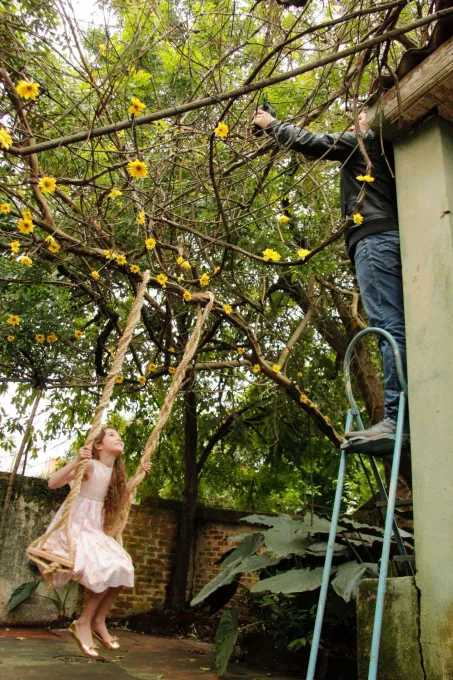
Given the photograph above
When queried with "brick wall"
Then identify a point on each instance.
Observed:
(150, 539)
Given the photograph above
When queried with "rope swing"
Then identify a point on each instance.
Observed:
(55, 563)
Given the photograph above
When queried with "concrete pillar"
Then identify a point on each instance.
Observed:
(424, 178)
(399, 654)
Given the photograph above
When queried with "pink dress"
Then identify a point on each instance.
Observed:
(100, 562)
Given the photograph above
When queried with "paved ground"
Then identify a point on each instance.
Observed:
(37, 654)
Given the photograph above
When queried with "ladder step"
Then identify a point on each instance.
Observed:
(404, 558)
(399, 503)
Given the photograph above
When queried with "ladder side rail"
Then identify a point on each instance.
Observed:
(328, 561)
(382, 584)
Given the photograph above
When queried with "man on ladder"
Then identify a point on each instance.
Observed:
(373, 245)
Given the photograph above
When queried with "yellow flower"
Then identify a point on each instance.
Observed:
(216, 269)
(240, 350)
(119, 379)
(172, 370)
(303, 252)
(51, 338)
(39, 337)
(53, 246)
(141, 379)
(270, 254)
(136, 106)
(14, 245)
(365, 178)
(47, 185)
(107, 254)
(304, 399)
(150, 243)
(187, 295)
(221, 130)
(112, 350)
(102, 48)
(185, 265)
(141, 217)
(357, 218)
(5, 139)
(299, 374)
(25, 260)
(204, 281)
(180, 278)
(94, 275)
(25, 226)
(27, 89)
(151, 367)
(120, 259)
(227, 309)
(114, 193)
(10, 338)
(314, 405)
(276, 368)
(256, 368)
(26, 214)
(162, 279)
(134, 268)
(13, 320)
(283, 219)
(78, 334)
(137, 168)
(5, 208)
(171, 349)
(179, 259)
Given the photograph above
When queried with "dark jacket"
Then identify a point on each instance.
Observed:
(379, 208)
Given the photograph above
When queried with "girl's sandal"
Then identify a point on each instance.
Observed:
(88, 651)
(113, 645)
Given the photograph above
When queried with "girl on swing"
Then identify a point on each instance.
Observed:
(101, 564)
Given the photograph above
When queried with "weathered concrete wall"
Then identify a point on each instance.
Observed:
(30, 513)
(399, 657)
(424, 177)
(150, 539)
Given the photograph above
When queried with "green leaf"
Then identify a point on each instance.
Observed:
(256, 562)
(320, 549)
(294, 581)
(348, 576)
(22, 593)
(225, 639)
(265, 520)
(287, 539)
(224, 578)
(316, 524)
(249, 545)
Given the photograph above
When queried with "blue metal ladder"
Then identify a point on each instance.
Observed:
(391, 444)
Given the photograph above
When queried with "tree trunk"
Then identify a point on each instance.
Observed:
(186, 529)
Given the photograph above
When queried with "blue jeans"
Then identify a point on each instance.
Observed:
(378, 269)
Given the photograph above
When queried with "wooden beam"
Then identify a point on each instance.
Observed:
(428, 85)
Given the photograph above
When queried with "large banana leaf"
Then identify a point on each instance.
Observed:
(225, 639)
(22, 593)
(294, 581)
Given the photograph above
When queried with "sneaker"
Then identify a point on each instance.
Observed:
(383, 429)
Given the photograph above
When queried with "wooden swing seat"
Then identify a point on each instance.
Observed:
(44, 554)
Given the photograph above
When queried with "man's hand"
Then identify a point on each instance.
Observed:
(262, 118)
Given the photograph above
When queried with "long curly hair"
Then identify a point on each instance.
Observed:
(117, 497)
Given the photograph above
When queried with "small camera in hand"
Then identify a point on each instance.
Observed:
(265, 106)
